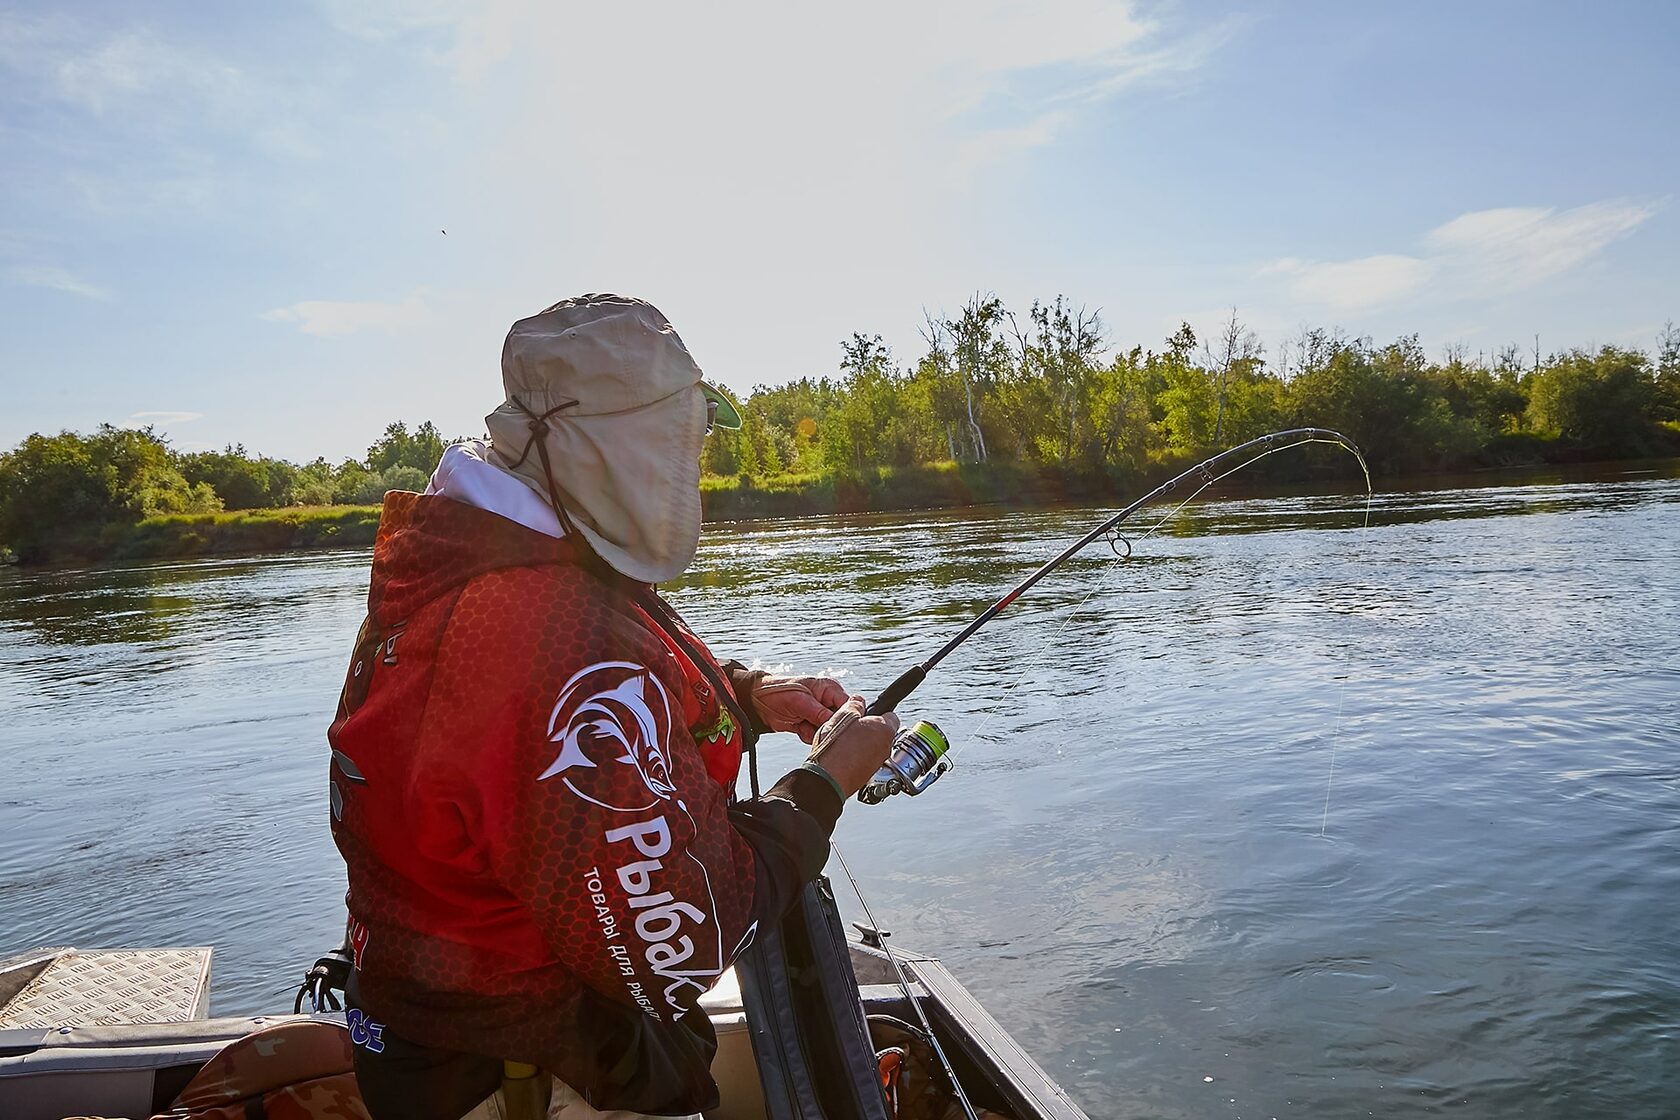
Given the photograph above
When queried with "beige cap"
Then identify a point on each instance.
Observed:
(626, 455)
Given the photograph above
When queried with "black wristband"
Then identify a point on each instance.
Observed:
(817, 794)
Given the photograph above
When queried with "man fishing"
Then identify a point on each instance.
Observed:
(534, 757)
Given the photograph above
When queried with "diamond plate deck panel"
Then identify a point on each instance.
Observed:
(114, 986)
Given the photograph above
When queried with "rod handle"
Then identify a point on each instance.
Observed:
(897, 691)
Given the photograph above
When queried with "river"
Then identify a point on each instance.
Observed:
(1281, 817)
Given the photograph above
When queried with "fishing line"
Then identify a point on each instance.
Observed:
(904, 983)
(1341, 693)
(919, 755)
(1050, 643)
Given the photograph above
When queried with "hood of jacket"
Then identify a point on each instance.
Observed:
(428, 545)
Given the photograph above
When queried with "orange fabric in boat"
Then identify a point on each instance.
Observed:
(290, 1071)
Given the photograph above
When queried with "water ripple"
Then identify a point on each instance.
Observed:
(1127, 864)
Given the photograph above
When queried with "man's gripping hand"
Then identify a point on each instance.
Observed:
(852, 746)
(797, 704)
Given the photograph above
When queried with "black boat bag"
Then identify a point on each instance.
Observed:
(809, 1037)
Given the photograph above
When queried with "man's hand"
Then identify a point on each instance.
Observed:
(797, 704)
(852, 746)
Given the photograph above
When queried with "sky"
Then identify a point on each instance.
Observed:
(286, 225)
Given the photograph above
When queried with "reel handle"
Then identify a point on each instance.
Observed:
(897, 691)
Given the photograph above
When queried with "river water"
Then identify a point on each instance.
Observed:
(1281, 817)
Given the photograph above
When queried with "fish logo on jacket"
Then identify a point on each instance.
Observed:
(611, 722)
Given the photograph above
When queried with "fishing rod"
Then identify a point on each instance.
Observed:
(918, 756)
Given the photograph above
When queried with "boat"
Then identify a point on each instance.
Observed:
(125, 1033)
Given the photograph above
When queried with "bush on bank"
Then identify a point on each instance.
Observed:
(183, 536)
(885, 489)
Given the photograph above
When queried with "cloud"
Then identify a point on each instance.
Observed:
(55, 278)
(146, 190)
(162, 419)
(1366, 282)
(1176, 60)
(1518, 246)
(388, 19)
(999, 74)
(133, 63)
(102, 69)
(998, 144)
(1045, 83)
(329, 317)
(688, 141)
(146, 121)
(1476, 254)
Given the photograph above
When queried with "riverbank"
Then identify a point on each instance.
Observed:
(885, 490)
(932, 486)
(233, 533)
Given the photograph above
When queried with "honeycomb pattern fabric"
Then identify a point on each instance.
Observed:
(543, 861)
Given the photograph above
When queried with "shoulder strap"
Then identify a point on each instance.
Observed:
(671, 624)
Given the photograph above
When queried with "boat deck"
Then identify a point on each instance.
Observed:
(72, 987)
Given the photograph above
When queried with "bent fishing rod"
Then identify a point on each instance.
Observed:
(918, 755)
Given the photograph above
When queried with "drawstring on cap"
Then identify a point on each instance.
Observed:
(538, 426)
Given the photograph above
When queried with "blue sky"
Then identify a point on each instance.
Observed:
(230, 221)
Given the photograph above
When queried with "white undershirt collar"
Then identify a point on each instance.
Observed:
(465, 474)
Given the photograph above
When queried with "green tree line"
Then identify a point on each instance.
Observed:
(60, 493)
(1043, 390)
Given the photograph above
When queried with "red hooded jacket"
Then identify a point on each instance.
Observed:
(531, 787)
